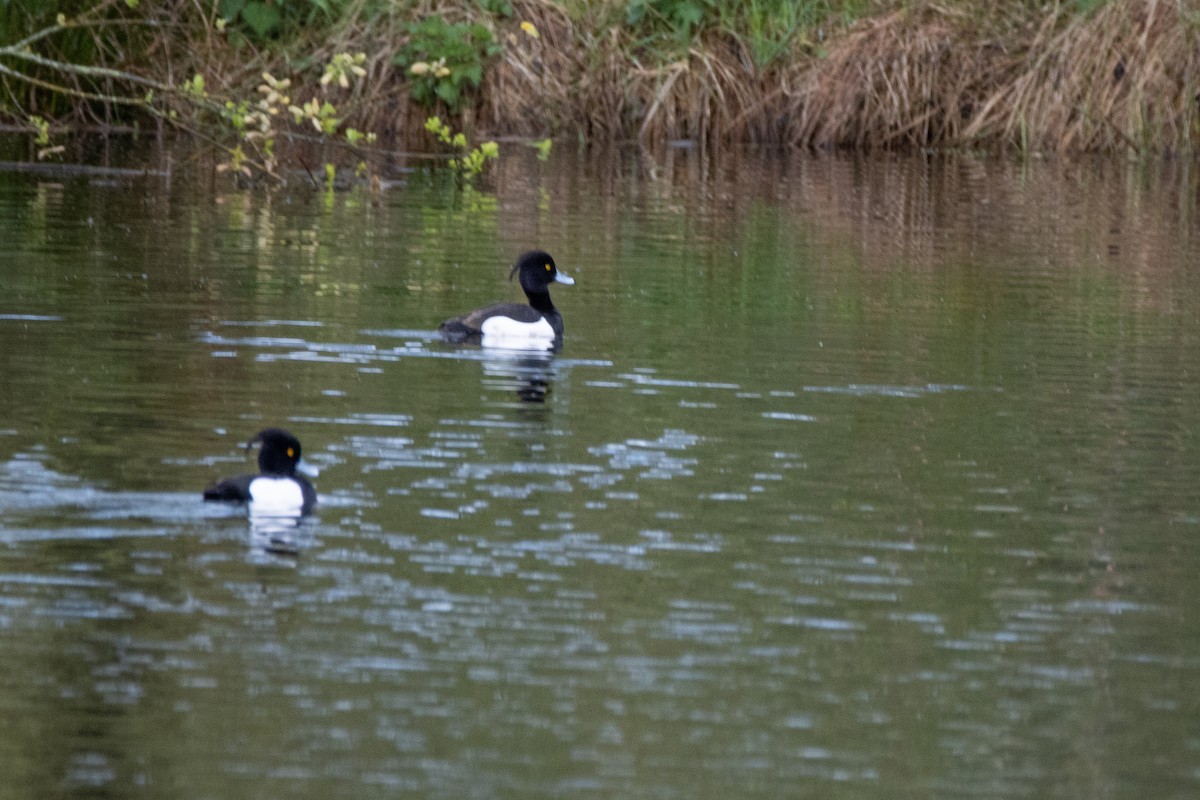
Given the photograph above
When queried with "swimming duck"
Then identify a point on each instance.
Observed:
(513, 325)
(277, 486)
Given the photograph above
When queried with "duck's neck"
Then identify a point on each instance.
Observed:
(274, 467)
(540, 300)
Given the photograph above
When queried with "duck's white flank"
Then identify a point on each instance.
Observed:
(501, 331)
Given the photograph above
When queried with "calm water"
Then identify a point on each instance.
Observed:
(853, 479)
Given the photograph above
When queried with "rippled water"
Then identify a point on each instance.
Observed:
(853, 479)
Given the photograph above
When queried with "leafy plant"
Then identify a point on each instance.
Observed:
(257, 122)
(497, 8)
(445, 60)
(680, 16)
(261, 17)
(322, 116)
(767, 27)
(264, 20)
(471, 162)
(343, 68)
(42, 127)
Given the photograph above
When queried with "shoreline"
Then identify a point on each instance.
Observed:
(1123, 78)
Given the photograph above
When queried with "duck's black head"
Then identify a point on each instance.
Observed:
(279, 452)
(538, 270)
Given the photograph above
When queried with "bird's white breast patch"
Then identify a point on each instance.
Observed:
(276, 495)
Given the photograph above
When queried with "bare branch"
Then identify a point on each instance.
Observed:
(81, 69)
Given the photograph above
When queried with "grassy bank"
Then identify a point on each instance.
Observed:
(867, 74)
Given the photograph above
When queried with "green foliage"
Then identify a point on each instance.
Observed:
(42, 129)
(41, 138)
(497, 8)
(194, 87)
(769, 28)
(322, 116)
(680, 16)
(445, 133)
(471, 162)
(356, 137)
(343, 68)
(445, 60)
(261, 21)
(258, 122)
(260, 18)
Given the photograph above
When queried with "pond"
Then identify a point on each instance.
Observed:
(852, 478)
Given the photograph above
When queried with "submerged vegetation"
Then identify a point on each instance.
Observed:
(249, 75)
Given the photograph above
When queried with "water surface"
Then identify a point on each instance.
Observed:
(853, 478)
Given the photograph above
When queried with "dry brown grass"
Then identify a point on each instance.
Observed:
(596, 82)
(926, 75)
(1126, 77)
(908, 78)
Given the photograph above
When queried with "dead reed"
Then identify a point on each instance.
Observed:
(1127, 77)
(973, 74)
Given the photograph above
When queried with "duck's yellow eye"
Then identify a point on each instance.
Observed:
(291, 453)
(549, 267)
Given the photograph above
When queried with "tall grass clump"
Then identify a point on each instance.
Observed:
(912, 77)
(1064, 77)
(1126, 77)
(1123, 77)
(709, 70)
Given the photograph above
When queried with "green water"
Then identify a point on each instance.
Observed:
(853, 478)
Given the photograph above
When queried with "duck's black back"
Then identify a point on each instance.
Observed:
(230, 490)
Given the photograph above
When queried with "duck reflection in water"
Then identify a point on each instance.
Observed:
(529, 374)
(278, 532)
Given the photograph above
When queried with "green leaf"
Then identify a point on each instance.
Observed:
(479, 33)
(688, 13)
(229, 9)
(448, 92)
(502, 8)
(262, 18)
